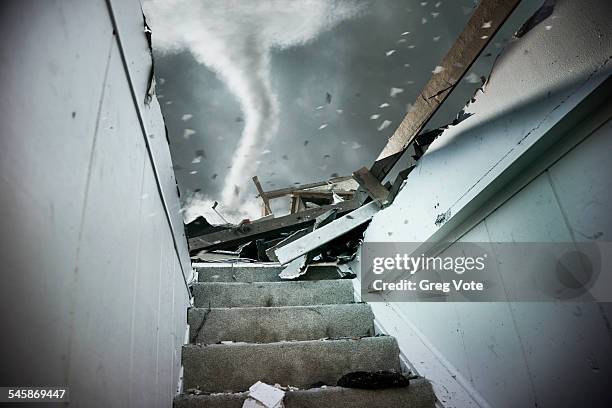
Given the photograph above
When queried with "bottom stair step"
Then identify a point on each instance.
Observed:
(418, 395)
(235, 367)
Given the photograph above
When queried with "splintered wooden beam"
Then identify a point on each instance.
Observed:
(232, 237)
(285, 191)
(371, 185)
(264, 197)
(488, 17)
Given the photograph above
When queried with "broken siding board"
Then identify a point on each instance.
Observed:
(488, 17)
(263, 196)
(248, 232)
(298, 234)
(327, 233)
(371, 184)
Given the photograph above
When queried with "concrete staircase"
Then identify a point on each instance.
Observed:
(248, 326)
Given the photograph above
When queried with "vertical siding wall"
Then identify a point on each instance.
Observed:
(516, 353)
(93, 255)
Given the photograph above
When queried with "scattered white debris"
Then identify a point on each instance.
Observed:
(548, 27)
(423, 20)
(438, 4)
(435, 14)
(264, 395)
(484, 37)
(412, 46)
(196, 160)
(319, 107)
(436, 38)
(356, 146)
(384, 125)
(339, 111)
(487, 24)
(336, 198)
(188, 132)
(169, 103)
(407, 65)
(395, 91)
(323, 126)
(406, 33)
(472, 78)
(390, 52)
(161, 80)
(438, 69)
(375, 116)
(423, 3)
(266, 151)
(384, 105)
(193, 172)
(401, 41)
(186, 117)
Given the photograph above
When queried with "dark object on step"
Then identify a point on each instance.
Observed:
(374, 380)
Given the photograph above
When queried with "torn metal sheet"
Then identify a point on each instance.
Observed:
(326, 233)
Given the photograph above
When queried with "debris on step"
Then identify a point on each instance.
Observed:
(262, 395)
(374, 380)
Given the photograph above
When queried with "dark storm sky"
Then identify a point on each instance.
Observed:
(350, 62)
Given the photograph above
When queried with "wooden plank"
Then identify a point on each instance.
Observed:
(248, 232)
(326, 233)
(264, 197)
(488, 17)
(371, 185)
(285, 191)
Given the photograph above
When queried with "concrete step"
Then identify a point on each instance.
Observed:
(258, 273)
(418, 395)
(235, 367)
(268, 294)
(273, 324)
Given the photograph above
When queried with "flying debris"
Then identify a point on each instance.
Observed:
(384, 105)
(472, 78)
(395, 91)
(390, 52)
(487, 24)
(384, 125)
(186, 117)
(323, 126)
(356, 146)
(436, 38)
(406, 33)
(438, 69)
(188, 132)
(339, 111)
(193, 172)
(434, 14)
(328, 98)
(266, 151)
(423, 20)
(375, 116)
(306, 142)
(319, 107)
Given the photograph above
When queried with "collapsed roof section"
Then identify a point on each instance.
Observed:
(327, 218)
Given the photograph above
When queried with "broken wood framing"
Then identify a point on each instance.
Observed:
(266, 202)
(286, 191)
(488, 17)
(327, 233)
(247, 232)
(371, 185)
